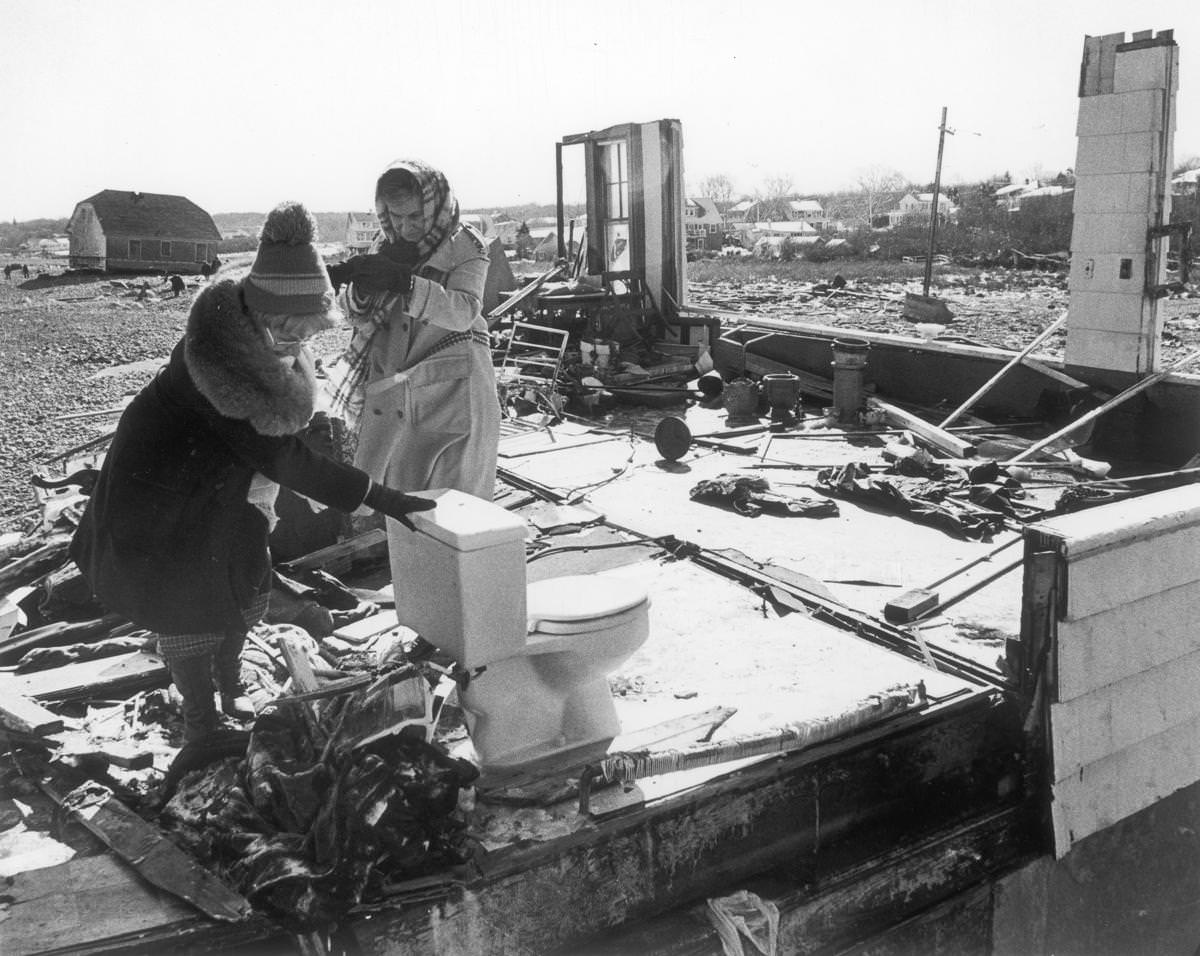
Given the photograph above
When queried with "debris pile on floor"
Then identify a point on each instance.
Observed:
(312, 817)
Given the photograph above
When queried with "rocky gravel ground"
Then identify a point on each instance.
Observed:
(85, 344)
(999, 308)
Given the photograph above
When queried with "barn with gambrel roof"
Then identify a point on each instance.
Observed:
(121, 231)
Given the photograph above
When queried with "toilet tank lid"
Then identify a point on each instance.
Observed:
(466, 523)
(580, 597)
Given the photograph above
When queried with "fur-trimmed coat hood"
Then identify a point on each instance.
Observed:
(229, 356)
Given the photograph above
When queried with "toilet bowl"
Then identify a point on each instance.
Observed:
(540, 654)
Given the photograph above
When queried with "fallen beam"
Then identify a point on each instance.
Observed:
(1015, 360)
(150, 852)
(934, 435)
(1112, 403)
(18, 712)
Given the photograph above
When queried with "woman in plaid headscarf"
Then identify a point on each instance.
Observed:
(419, 377)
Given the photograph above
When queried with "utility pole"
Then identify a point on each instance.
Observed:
(937, 187)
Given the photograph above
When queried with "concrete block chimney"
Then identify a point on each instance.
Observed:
(1123, 165)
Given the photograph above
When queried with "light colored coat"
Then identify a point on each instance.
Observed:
(431, 417)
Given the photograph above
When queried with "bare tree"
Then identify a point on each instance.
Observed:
(877, 186)
(718, 188)
(777, 187)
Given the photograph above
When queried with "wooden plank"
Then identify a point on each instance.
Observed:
(105, 677)
(946, 442)
(96, 904)
(1137, 636)
(339, 558)
(1052, 373)
(27, 569)
(57, 634)
(150, 852)
(1109, 719)
(991, 382)
(961, 925)
(20, 713)
(1098, 795)
(80, 902)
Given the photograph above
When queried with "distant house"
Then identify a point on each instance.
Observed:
(361, 230)
(56, 247)
(1011, 196)
(810, 211)
(120, 231)
(919, 206)
(498, 226)
(703, 224)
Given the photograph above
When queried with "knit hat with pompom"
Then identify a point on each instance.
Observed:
(288, 276)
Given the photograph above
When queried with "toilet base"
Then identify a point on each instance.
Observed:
(515, 717)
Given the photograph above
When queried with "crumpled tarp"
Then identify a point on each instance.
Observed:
(751, 496)
(958, 505)
(306, 824)
(745, 915)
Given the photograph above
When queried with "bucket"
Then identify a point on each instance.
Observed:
(782, 389)
(741, 398)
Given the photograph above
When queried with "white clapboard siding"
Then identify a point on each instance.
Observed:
(1091, 727)
(1125, 711)
(1105, 792)
(1129, 639)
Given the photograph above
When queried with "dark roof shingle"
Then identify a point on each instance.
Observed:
(152, 214)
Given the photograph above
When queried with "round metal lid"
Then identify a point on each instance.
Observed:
(672, 438)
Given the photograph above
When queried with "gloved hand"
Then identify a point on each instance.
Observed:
(396, 504)
(341, 272)
(378, 273)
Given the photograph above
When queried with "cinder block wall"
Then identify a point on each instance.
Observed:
(1124, 706)
(1122, 168)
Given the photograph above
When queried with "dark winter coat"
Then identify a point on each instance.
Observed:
(168, 538)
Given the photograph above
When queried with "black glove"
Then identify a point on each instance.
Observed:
(396, 504)
(340, 273)
(378, 273)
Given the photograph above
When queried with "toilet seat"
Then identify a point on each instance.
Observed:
(579, 604)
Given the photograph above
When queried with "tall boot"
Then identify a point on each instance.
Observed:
(193, 677)
(227, 663)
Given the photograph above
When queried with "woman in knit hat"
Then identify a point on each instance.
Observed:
(175, 534)
(420, 381)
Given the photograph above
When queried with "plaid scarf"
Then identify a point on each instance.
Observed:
(369, 311)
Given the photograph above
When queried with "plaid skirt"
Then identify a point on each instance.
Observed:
(178, 647)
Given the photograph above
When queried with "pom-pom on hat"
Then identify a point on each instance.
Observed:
(288, 276)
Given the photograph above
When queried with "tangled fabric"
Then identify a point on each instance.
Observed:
(306, 824)
(751, 496)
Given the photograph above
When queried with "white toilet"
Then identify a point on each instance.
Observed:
(546, 648)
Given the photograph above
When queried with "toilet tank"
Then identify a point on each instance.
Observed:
(459, 579)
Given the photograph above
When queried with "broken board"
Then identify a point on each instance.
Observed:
(104, 677)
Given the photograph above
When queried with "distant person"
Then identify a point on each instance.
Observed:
(25, 270)
(177, 286)
(175, 532)
(419, 377)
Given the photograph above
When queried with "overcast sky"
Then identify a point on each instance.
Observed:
(238, 105)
